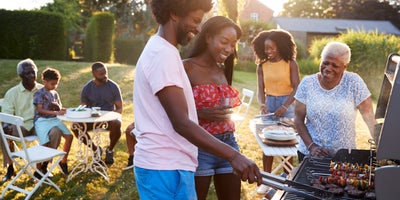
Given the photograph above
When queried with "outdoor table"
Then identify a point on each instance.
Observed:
(283, 153)
(86, 157)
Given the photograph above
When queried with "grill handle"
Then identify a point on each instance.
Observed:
(283, 184)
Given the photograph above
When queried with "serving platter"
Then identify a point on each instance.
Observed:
(279, 134)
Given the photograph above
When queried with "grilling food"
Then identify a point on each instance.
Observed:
(352, 178)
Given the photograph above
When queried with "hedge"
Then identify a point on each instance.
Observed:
(98, 44)
(33, 34)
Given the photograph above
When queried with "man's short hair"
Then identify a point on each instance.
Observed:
(98, 65)
(24, 63)
(162, 9)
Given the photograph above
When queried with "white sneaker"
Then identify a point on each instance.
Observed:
(262, 189)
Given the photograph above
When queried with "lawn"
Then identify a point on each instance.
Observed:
(122, 185)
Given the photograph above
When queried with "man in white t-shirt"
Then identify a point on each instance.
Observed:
(167, 129)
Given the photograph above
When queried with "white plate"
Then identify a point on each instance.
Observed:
(71, 113)
(279, 135)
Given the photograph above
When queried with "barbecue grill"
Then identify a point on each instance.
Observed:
(383, 157)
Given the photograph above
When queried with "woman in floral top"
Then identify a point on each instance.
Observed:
(209, 68)
(327, 103)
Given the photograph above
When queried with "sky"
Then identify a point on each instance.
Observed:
(275, 5)
(22, 4)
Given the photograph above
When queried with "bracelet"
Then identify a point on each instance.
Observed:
(284, 107)
(310, 145)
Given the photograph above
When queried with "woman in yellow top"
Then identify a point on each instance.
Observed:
(277, 76)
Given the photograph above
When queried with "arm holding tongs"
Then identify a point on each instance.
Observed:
(284, 184)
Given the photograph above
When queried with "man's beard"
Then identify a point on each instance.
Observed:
(103, 80)
(183, 36)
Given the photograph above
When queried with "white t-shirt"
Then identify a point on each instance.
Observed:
(159, 146)
(331, 114)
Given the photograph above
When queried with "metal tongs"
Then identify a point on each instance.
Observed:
(293, 187)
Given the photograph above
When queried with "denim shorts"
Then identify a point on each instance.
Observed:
(274, 102)
(165, 184)
(209, 164)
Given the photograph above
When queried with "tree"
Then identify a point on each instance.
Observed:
(70, 10)
(229, 8)
(369, 10)
(75, 22)
(344, 9)
(305, 8)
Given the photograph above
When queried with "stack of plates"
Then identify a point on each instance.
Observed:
(280, 135)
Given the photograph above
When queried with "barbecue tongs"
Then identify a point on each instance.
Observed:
(290, 186)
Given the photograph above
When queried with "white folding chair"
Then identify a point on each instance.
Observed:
(28, 157)
(241, 113)
(29, 139)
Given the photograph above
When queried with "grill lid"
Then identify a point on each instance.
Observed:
(386, 134)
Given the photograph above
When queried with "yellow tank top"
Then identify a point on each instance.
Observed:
(277, 78)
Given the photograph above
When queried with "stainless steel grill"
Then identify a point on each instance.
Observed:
(384, 154)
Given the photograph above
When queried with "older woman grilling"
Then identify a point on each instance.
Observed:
(327, 102)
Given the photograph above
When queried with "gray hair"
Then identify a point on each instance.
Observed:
(26, 62)
(337, 50)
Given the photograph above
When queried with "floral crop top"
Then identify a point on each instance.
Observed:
(209, 96)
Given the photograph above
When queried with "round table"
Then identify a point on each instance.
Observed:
(87, 158)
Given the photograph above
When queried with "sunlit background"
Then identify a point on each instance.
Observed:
(275, 5)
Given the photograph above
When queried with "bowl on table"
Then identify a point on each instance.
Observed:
(78, 113)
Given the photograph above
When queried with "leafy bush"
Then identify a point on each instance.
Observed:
(99, 36)
(33, 34)
(308, 66)
(245, 65)
(251, 28)
(128, 50)
(301, 50)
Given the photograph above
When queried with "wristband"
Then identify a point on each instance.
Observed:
(310, 145)
(284, 107)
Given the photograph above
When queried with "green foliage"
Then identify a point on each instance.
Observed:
(245, 66)
(34, 34)
(128, 50)
(251, 28)
(344, 9)
(303, 8)
(308, 66)
(70, 10)
(99, 36)
(369, 54)
(229, 8)
(301, 50)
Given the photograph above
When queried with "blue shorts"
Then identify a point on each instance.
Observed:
(274, 102)
(44, 125)
(209, 164)
(165, 184)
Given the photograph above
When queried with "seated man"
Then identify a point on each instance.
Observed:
(106, 94)
(18, 101)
